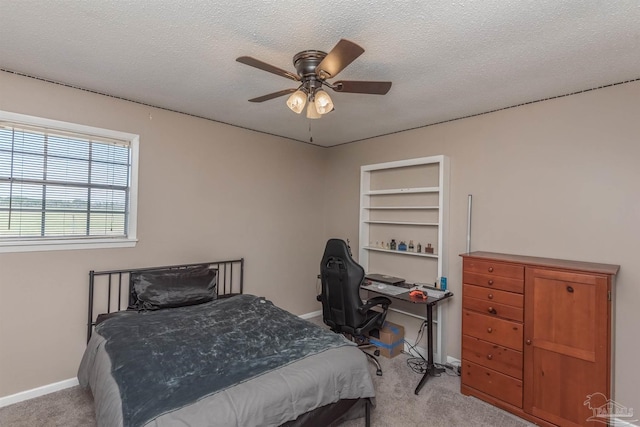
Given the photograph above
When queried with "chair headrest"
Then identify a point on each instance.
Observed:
(338, 249)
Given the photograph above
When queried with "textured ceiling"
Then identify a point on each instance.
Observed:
(446, 59)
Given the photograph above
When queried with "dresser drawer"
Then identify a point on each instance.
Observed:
(493, 383)
(491, 308)
(514, 271)
(494, 282)
(502, 332)
(493, 356)
(494, 295)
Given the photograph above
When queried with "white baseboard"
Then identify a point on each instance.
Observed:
(36, 392)
(423, 352)
(310, 315)
(453, 361)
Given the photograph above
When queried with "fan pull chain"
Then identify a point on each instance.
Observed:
(310, 133)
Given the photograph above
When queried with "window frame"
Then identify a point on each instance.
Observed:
(31, 244)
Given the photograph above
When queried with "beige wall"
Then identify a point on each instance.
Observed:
(556, 179)
(207, 191)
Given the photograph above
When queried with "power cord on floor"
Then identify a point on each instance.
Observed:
(418, 364)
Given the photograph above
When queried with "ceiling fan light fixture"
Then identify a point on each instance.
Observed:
(312, 112)
(296, 101)
(323, 102)
(313, 69)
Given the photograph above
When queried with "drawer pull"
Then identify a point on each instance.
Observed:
(490, 296)
(528, 342)
(489, 330)
(490, 282)
(490, 269)
(569, 289)
(489, 356)
(492, 310)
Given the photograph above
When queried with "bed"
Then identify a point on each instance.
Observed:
(184, 345)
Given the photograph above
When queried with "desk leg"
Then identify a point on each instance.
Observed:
(431, 370)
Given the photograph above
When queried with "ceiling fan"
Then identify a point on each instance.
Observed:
(314, 68)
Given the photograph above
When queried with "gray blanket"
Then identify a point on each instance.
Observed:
(164, 360)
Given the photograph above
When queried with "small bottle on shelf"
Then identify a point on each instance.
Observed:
(428, 249)
(402, 246)
(393, 244)
(411, 247)
(419, 248)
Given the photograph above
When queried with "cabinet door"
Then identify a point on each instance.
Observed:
(566, 352)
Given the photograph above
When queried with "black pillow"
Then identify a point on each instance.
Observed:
(157, 289)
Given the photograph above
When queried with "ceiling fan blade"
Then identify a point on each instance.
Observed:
(247, 60)
(273, 95)
(337, 60)
(356, 86)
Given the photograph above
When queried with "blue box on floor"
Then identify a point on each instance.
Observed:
(389, 339)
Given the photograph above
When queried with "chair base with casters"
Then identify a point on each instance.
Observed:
(365, 344)
(342, 308)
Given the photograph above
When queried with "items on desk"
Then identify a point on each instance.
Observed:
(440, 283)
(429, 290)
(428, 249)
(383, 278)
(418, 294)
(384, 288)
(387, 285)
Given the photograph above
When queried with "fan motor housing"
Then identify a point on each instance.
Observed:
(307, 61)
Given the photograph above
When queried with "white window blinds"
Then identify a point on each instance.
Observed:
(58, 184)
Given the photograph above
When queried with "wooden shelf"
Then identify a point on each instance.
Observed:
(401, 208)
(403, 191)
(373, 248)
(402, 223)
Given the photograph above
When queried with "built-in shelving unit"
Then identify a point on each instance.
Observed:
(407, 201)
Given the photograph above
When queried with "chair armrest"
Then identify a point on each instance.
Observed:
(372, 302)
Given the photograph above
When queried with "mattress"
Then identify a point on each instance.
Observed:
(269, 397)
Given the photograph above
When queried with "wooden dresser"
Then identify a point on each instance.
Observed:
(536, 335)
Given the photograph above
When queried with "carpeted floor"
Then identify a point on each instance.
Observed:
(72, 407)
(439, 404)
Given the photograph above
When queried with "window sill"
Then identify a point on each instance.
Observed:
(66, 244)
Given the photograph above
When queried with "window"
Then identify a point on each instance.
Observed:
(65, 186)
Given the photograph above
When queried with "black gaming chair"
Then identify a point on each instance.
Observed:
(342, 308)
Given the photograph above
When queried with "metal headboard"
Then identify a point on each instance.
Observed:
(111, 283)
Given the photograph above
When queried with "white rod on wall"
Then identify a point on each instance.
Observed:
(469, 225)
